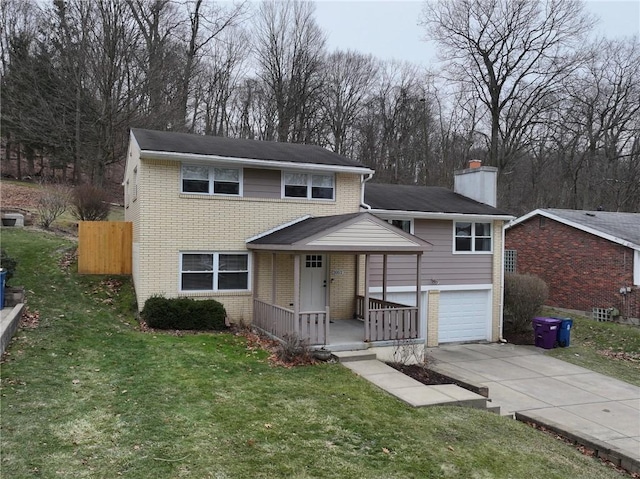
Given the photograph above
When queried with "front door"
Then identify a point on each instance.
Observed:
(313, 282)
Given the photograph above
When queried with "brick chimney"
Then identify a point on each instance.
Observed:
(478, 182)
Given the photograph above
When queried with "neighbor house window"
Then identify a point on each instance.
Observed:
(309, 186)
(404, 225)
(472, 237)
(127, 194)
(214, 271)
(510, 260)
(211, 181)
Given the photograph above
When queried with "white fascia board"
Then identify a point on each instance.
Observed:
(636, 268)
(422, 215)
(433, 287)
(578, 226)
(281, 165)
(277, 228)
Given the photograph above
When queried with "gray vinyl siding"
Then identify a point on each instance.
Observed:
(260, 183)
(439, 265)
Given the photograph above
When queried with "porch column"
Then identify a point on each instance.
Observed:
(273, 278)
(296, 294)
(365, 312)
(384, 277)
(421, 325)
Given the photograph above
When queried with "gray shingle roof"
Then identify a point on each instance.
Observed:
(152, 140)
(431, 199)
(621, 225)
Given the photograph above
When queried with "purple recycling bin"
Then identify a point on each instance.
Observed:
(546, 332)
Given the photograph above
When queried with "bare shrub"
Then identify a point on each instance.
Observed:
(90, 203)
(53, 202)
(524, 296)
(292, 349)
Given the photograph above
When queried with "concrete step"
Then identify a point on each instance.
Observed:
(348, 356)
(493, 409)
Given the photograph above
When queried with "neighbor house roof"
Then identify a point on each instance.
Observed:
(622, 228)
(425, 199)
(360, 232)
(190, 146)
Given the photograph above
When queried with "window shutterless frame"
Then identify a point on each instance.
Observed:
(206, 271)
(472, 237)
(308, 186)
(210, 180)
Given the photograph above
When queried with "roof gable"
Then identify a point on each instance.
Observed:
(621, 228)
(350, 232)
(238, 148)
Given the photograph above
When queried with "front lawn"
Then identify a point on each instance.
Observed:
(608, 348)
(86, 394)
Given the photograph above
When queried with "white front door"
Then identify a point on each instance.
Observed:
(313, 282)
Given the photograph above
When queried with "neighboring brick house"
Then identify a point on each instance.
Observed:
(589, 259)
(283, 236)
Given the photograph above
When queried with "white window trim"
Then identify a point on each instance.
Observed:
(216, 264)
(473, 237)
(389, 220)
(309, 176)
(211, 179)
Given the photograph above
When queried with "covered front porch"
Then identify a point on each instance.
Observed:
(311, 280)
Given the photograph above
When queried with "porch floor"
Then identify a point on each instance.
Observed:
(346, 335)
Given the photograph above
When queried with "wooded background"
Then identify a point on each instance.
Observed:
(523, 86)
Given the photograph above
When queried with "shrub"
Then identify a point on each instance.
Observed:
(184, 313)
(8, 263)
(524, 296)
(90, 203)
(292, 349)
(53, 202)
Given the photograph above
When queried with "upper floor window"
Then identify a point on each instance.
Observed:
(472, 237)
(404, 225)
(211, 181)
(307, 185)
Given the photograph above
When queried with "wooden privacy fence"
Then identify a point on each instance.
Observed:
(104, 247)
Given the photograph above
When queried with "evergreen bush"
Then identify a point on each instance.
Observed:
(184, 313)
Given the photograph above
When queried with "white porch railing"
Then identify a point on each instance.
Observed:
(388, 320)
(278, 321)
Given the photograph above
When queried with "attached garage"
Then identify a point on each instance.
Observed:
(464, 316)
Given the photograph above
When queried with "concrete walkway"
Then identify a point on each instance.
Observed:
(403, 387)
(590, 408)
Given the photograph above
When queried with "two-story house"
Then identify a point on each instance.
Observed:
(293, 239)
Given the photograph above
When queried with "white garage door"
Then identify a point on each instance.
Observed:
(464, 316)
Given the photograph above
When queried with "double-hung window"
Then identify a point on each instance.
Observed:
(309, 186)
(214, 271)
(472, 237)
(211, 181)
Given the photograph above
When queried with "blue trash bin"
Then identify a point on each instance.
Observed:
(3, 276)
(564, 332)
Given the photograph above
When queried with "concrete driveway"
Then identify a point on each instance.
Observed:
(596, 410)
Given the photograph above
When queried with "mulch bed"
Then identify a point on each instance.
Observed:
(422, 374)
(518, 337)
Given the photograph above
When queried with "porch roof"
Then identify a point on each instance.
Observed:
(354, 232)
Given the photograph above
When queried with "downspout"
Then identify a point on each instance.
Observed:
(362, 186)
(501, 337)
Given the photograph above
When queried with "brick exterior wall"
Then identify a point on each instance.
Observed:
(168, 222)
(582, 270)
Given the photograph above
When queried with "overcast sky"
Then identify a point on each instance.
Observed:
(389, 28)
